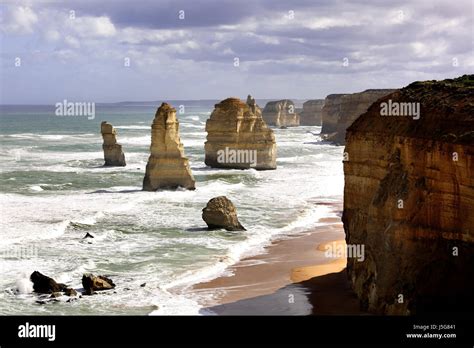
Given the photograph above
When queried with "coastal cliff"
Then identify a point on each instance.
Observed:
(330, 113)
(281, 113)
(167, 166)
(113, 154)
(346, 109)
(409, 200)
(311, 113)
(237, 137)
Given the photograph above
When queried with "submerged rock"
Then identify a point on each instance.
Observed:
(113, 154)
(93, 283)
(45, 285)
(167, 167)
(220, 212)
(70, 292)
(237, 137)
(281, 113)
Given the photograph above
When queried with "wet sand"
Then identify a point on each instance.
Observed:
(293, 277)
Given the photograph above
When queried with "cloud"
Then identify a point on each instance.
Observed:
(139, 36)
(92, 27)
(52, 35)
(19, 20)
(72, 42)
(302, 42)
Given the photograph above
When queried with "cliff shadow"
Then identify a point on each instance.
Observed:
(329, 294)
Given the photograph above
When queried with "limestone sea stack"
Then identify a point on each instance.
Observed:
(113, 154)
(237, 137)
(352, 106)
(167, 167)
(220, 212)
(409, 198)
(311, 113)
(281, 113)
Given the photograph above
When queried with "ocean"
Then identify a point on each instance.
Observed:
(54, 190)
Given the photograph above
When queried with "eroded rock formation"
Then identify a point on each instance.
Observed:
(237, 137)
(167, 168)
(113, 154)
(220, 212)
(92, 283)
(330, 113)
(281, 113)
(311, 113)
(409, 198)
(45, 285)
(344, 109)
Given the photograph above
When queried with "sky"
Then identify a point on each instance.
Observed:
(111, 51)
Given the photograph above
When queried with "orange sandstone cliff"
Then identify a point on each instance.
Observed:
(409, 199)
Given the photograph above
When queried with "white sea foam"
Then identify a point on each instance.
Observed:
(36, 188)
(194, 118)
(133, 127)
(48, 137)
(148, 237)
(24, 285)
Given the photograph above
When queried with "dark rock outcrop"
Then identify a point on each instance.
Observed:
(220, 212)
(281, 113)
(311, 115)
(409, 198)
(92, 283)
(113, 154)
(237, 137)
(167, 167)
(70, 292)
(45, 285)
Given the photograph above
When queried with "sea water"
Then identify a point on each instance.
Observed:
(54, 190)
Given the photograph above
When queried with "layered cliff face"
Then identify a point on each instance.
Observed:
(409, 199)
(167, 167)
(311, 114)
(281, 113)
(351, 106)
(330, 113)
(113, 154)
(237, 137)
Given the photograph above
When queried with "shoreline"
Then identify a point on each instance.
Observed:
(292, 276)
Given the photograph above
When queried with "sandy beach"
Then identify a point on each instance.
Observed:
(293, 277)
